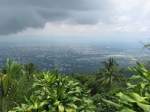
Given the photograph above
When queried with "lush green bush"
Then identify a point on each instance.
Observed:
(14, 83)
(56, 93)
(136, 98)
(9, 81)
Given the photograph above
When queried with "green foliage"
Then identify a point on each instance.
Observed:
(13, 85)
(137, 97)
(23, 89)
(29, 70)
(56, 93)
(110, 74)
(102, 106)
(104, 84)
(12, 69)
(8, 83)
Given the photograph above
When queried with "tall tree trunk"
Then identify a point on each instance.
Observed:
(110, 81)
(4, 104)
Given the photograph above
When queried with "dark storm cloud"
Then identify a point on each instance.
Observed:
(17, 15)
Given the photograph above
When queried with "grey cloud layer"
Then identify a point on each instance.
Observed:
(17, 15)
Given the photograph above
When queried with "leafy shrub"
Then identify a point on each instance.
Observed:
(102, 106)
(56, 93)
(14, 83)
(8, 84)
(137, 96)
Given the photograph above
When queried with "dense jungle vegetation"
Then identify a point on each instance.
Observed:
(23, 88)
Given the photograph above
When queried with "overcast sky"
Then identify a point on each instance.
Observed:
(74, 17)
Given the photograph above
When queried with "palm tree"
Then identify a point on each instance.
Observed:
(8, 81)
(110, 73)
(29, 69)
(7, 85)
(12, 69)
(136, 97)
(4, 89)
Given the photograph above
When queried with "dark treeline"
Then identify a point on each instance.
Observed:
(23, 88)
